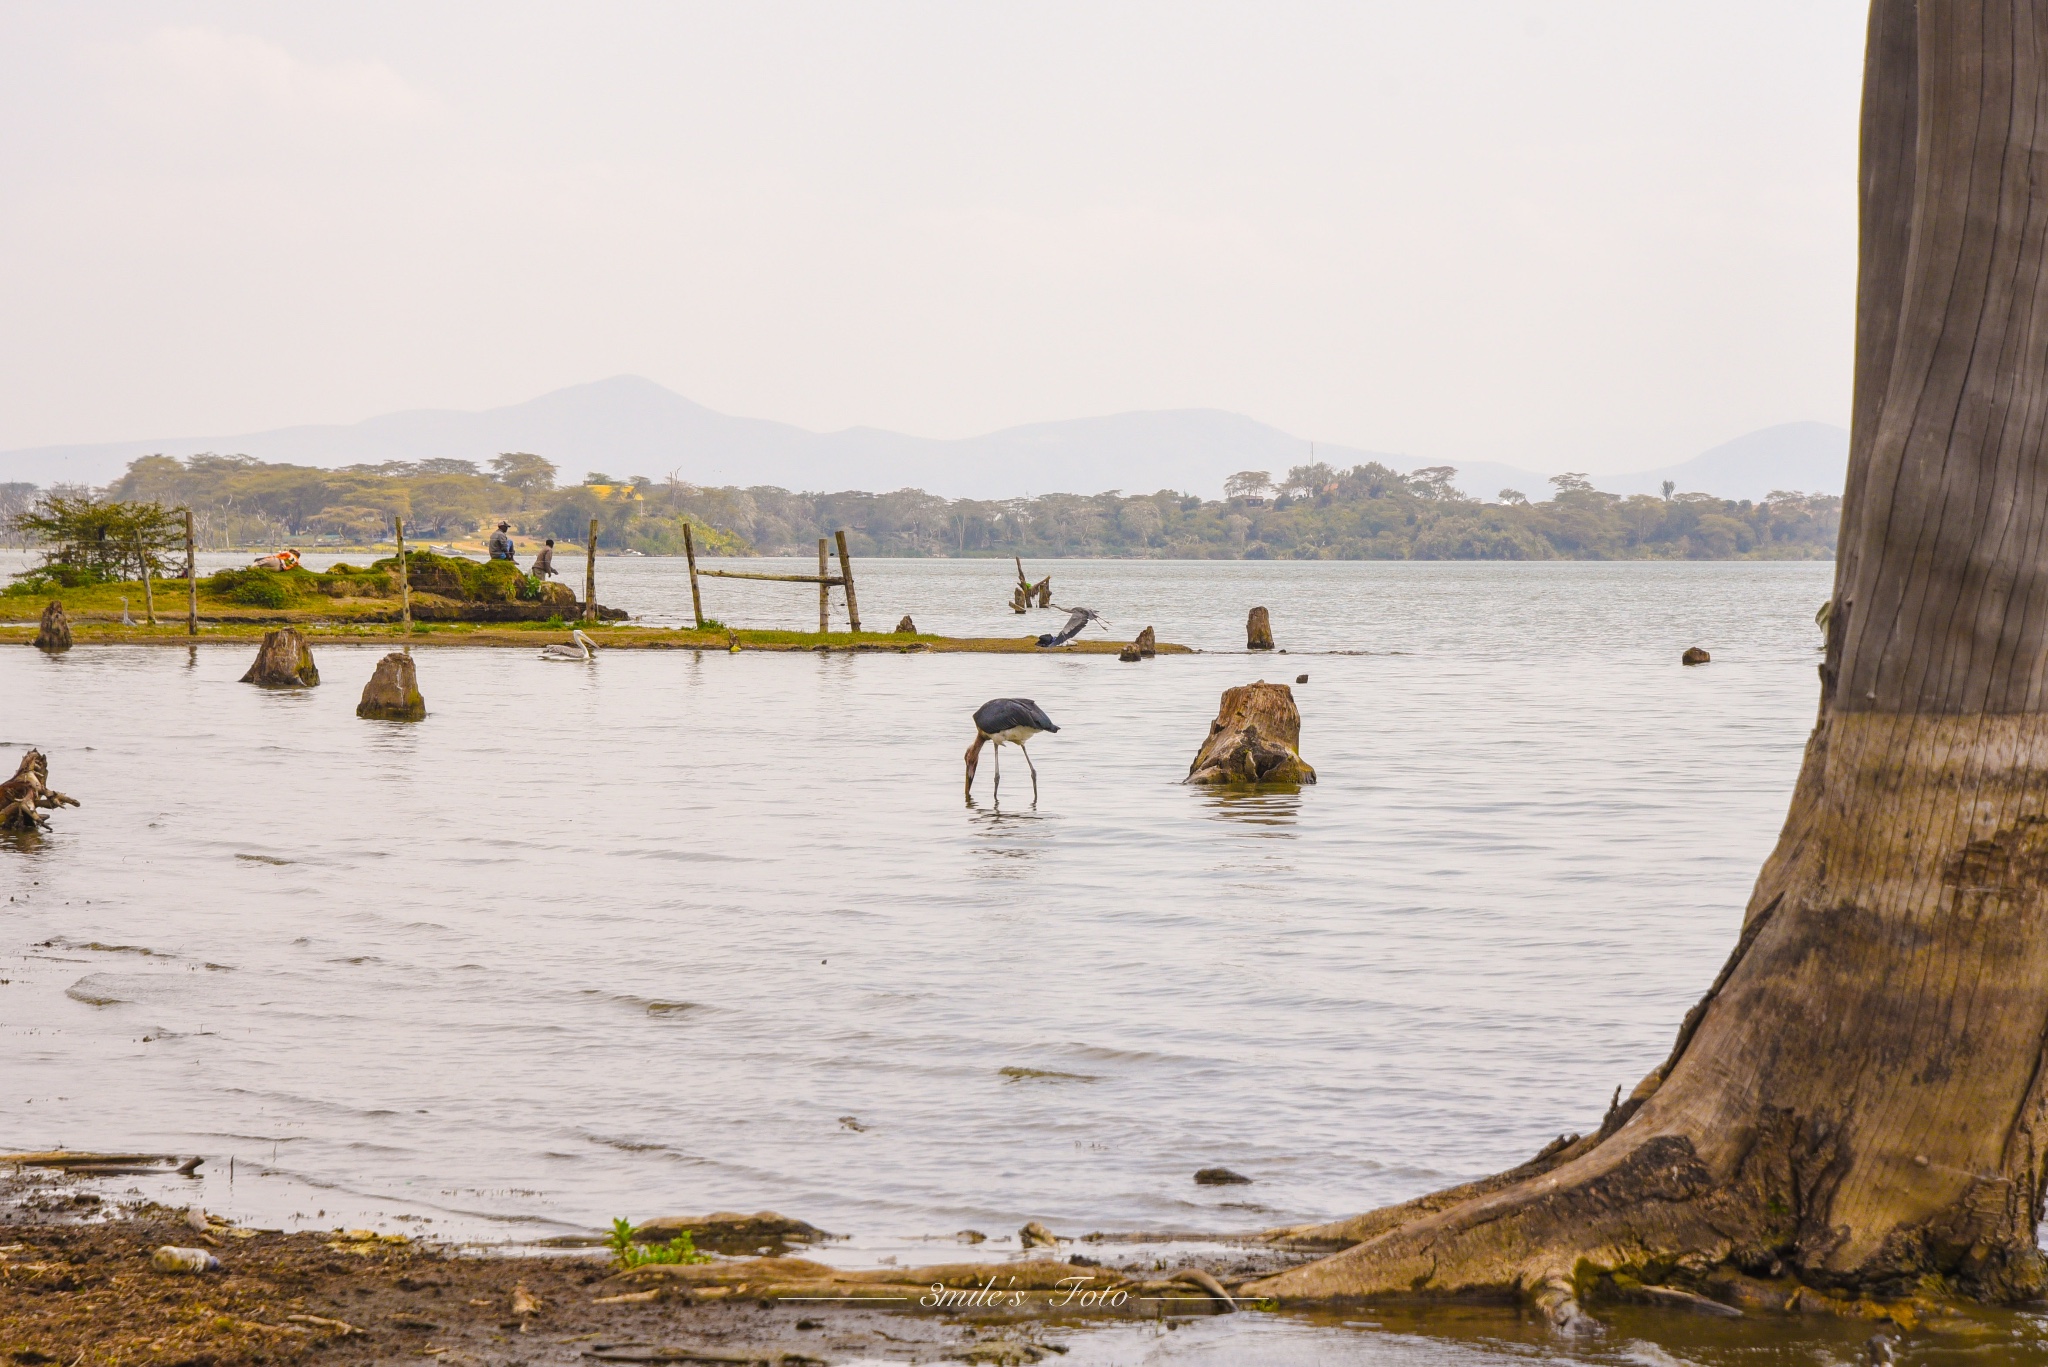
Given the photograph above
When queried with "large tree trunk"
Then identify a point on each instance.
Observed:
(1858, 1103)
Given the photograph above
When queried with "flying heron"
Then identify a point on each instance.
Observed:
(1076, 619)
(1006, 721)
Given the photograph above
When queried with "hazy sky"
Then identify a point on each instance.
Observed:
(1601, 235)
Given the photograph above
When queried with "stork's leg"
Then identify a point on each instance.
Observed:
(1034, 771)
(996, 751)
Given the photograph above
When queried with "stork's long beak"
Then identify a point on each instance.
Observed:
(973, 759)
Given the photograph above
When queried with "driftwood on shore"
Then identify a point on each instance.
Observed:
(1256, 738)
(284, 660)
(25, 797)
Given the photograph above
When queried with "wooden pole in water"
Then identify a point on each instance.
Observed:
(590, 575)
(846, 572)
(824, 591)
(191, 580)
(404, 578)
(148, 596)
(696, 598)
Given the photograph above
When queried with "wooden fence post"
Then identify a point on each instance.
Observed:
(696, 598)
(824, 591)
(590, 575)
(846, 571)
(191, 580)
(148, 595)
(404, 578)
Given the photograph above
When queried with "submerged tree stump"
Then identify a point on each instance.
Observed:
(1255, 738)
(1258, 630)
(23, 796)
(1147, 644)
(393, 692)
(283, 661)
(55, 632)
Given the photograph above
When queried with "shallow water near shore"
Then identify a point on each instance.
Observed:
(671, 933)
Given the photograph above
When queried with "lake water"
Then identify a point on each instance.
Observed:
(675, 932)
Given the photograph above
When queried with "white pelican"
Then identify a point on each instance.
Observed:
(584, 649)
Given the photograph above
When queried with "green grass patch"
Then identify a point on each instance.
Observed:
(628, 1255)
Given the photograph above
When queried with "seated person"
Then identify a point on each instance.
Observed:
(501, 542)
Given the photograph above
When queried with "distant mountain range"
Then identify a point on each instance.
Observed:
(631, 426)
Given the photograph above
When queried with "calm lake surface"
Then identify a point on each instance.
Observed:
(675, 932)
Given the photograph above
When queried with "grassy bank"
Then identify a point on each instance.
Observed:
(533, 635)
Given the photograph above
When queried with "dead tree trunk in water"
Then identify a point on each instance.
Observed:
(1858, 1102)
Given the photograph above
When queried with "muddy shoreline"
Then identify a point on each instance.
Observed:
(78, 1287)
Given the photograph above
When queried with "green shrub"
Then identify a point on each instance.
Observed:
(61, 576)
(268, 591)
(629, 1255)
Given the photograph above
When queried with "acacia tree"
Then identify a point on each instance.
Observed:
(1858, 1101)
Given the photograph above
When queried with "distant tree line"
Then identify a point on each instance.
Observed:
(1317, 512)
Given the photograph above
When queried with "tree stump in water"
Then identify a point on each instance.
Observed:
(1147, 644)
(1130, 653)
(29, 790)
(55, 632)
(1043, 590)
(906, 627)
(393, 692)
(1255, 738)
(283, 661)
(1258, 630)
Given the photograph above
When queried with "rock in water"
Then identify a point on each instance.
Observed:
(1695, 656)
(1258, 630)
(1035, 1235)
(55, 633)
(1147, 643)
(393, 692)
(1255, 738)
(1301, 678)
(906, 627)
(1130, 653)
(283, 661)
(1221, 1177)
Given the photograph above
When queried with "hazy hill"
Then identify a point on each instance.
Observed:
(627, 426)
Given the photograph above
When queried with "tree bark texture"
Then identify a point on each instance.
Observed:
(283, 661)
(1256, 738)
(24, 797)
(53, 633)
(1860, 1102)
(393, 692)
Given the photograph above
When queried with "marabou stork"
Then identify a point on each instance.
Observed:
(1006, 721)
(1076, 619)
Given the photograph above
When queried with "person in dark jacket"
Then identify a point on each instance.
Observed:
(544, 563)
(501, 542)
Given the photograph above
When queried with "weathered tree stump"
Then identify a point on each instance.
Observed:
(283, 661)
(22, 796)
(393, 692)
(1043, 590)
(1020, 599)
(1694, 656)
(55, 632)
(1255, 738)
(1258, 630)
(1147, 643)
(906, 627)
(1130, 653)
